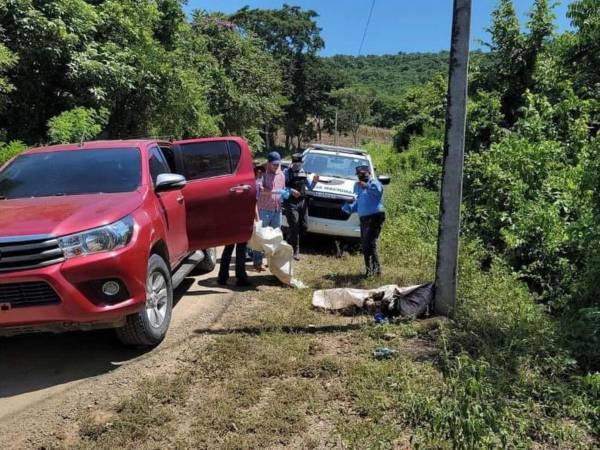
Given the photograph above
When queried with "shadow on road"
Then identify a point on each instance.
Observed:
(319, 245)
(255, 279)
(321, 329)
(36, 361)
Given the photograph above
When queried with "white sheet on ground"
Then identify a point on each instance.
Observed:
(342, 298)
(279, 253)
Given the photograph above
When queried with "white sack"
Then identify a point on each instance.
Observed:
(279, 254)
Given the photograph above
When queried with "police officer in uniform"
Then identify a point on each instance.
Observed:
(295, 206)
(369, 206)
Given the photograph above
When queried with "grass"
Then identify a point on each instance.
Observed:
(274, 373)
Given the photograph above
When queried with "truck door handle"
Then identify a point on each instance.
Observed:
(240, 188)
(180, 199)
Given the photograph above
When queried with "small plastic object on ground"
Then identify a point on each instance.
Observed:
(384, 353)
(379, 318)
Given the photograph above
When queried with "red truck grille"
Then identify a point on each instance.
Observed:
(19, 295)
(29, 252)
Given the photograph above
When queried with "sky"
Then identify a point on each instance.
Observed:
(396, 25)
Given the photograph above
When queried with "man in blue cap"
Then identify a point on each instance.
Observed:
(269, 199)
(369, 206)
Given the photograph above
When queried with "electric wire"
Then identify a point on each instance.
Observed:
(366, 28)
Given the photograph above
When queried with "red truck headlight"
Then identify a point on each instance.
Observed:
(102, 239)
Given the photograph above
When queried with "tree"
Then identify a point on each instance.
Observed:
(322, 79)
(354, 109)
(150, 87)
(78, 124)
(7, 60)
(286, 32)
(292, 36)
(127, 57)
(244, 79)
(582, 49)
(44, 36)
(421, 107)
(514, 55)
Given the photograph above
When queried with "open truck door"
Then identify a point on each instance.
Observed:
(220, 194)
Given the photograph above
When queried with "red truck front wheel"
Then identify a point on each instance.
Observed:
(149, 326)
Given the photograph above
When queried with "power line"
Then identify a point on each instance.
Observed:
(366, 28)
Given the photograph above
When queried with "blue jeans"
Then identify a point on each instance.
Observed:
(271, 219)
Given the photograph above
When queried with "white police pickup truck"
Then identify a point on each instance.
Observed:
(336, 168)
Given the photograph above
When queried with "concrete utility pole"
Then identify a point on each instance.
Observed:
(454, 147)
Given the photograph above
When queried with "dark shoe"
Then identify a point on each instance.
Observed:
(243, 282)
(297, 257)
(221, 282)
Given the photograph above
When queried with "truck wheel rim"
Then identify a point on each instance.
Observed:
(157, 299)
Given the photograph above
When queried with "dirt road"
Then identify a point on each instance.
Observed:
(48, 379)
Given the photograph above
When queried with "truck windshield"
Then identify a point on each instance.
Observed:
(71, 173)
(333, 165)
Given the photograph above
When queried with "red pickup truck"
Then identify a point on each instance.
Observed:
(98, 235)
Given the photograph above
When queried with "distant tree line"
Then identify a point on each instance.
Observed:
(74, 70)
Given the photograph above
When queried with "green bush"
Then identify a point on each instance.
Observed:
(509, 378)
(522, 199)
(76, 125)
(10, 149)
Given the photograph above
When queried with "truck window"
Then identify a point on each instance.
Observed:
(72, 172)
(158, 164)
(333, 165)
(206, 159)
(170, 157)
(235, 152)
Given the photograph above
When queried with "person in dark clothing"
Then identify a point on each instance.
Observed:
(369, 206)
(295, 206)
(240, 265)
(370, 229)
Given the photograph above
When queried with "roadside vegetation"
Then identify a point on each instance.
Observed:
(516, 367)
(126, 69)
(531, 172)
(275, 373)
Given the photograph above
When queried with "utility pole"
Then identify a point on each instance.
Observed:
(335, 128)
(454, 148)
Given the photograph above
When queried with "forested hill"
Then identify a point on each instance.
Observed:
(390, 74)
